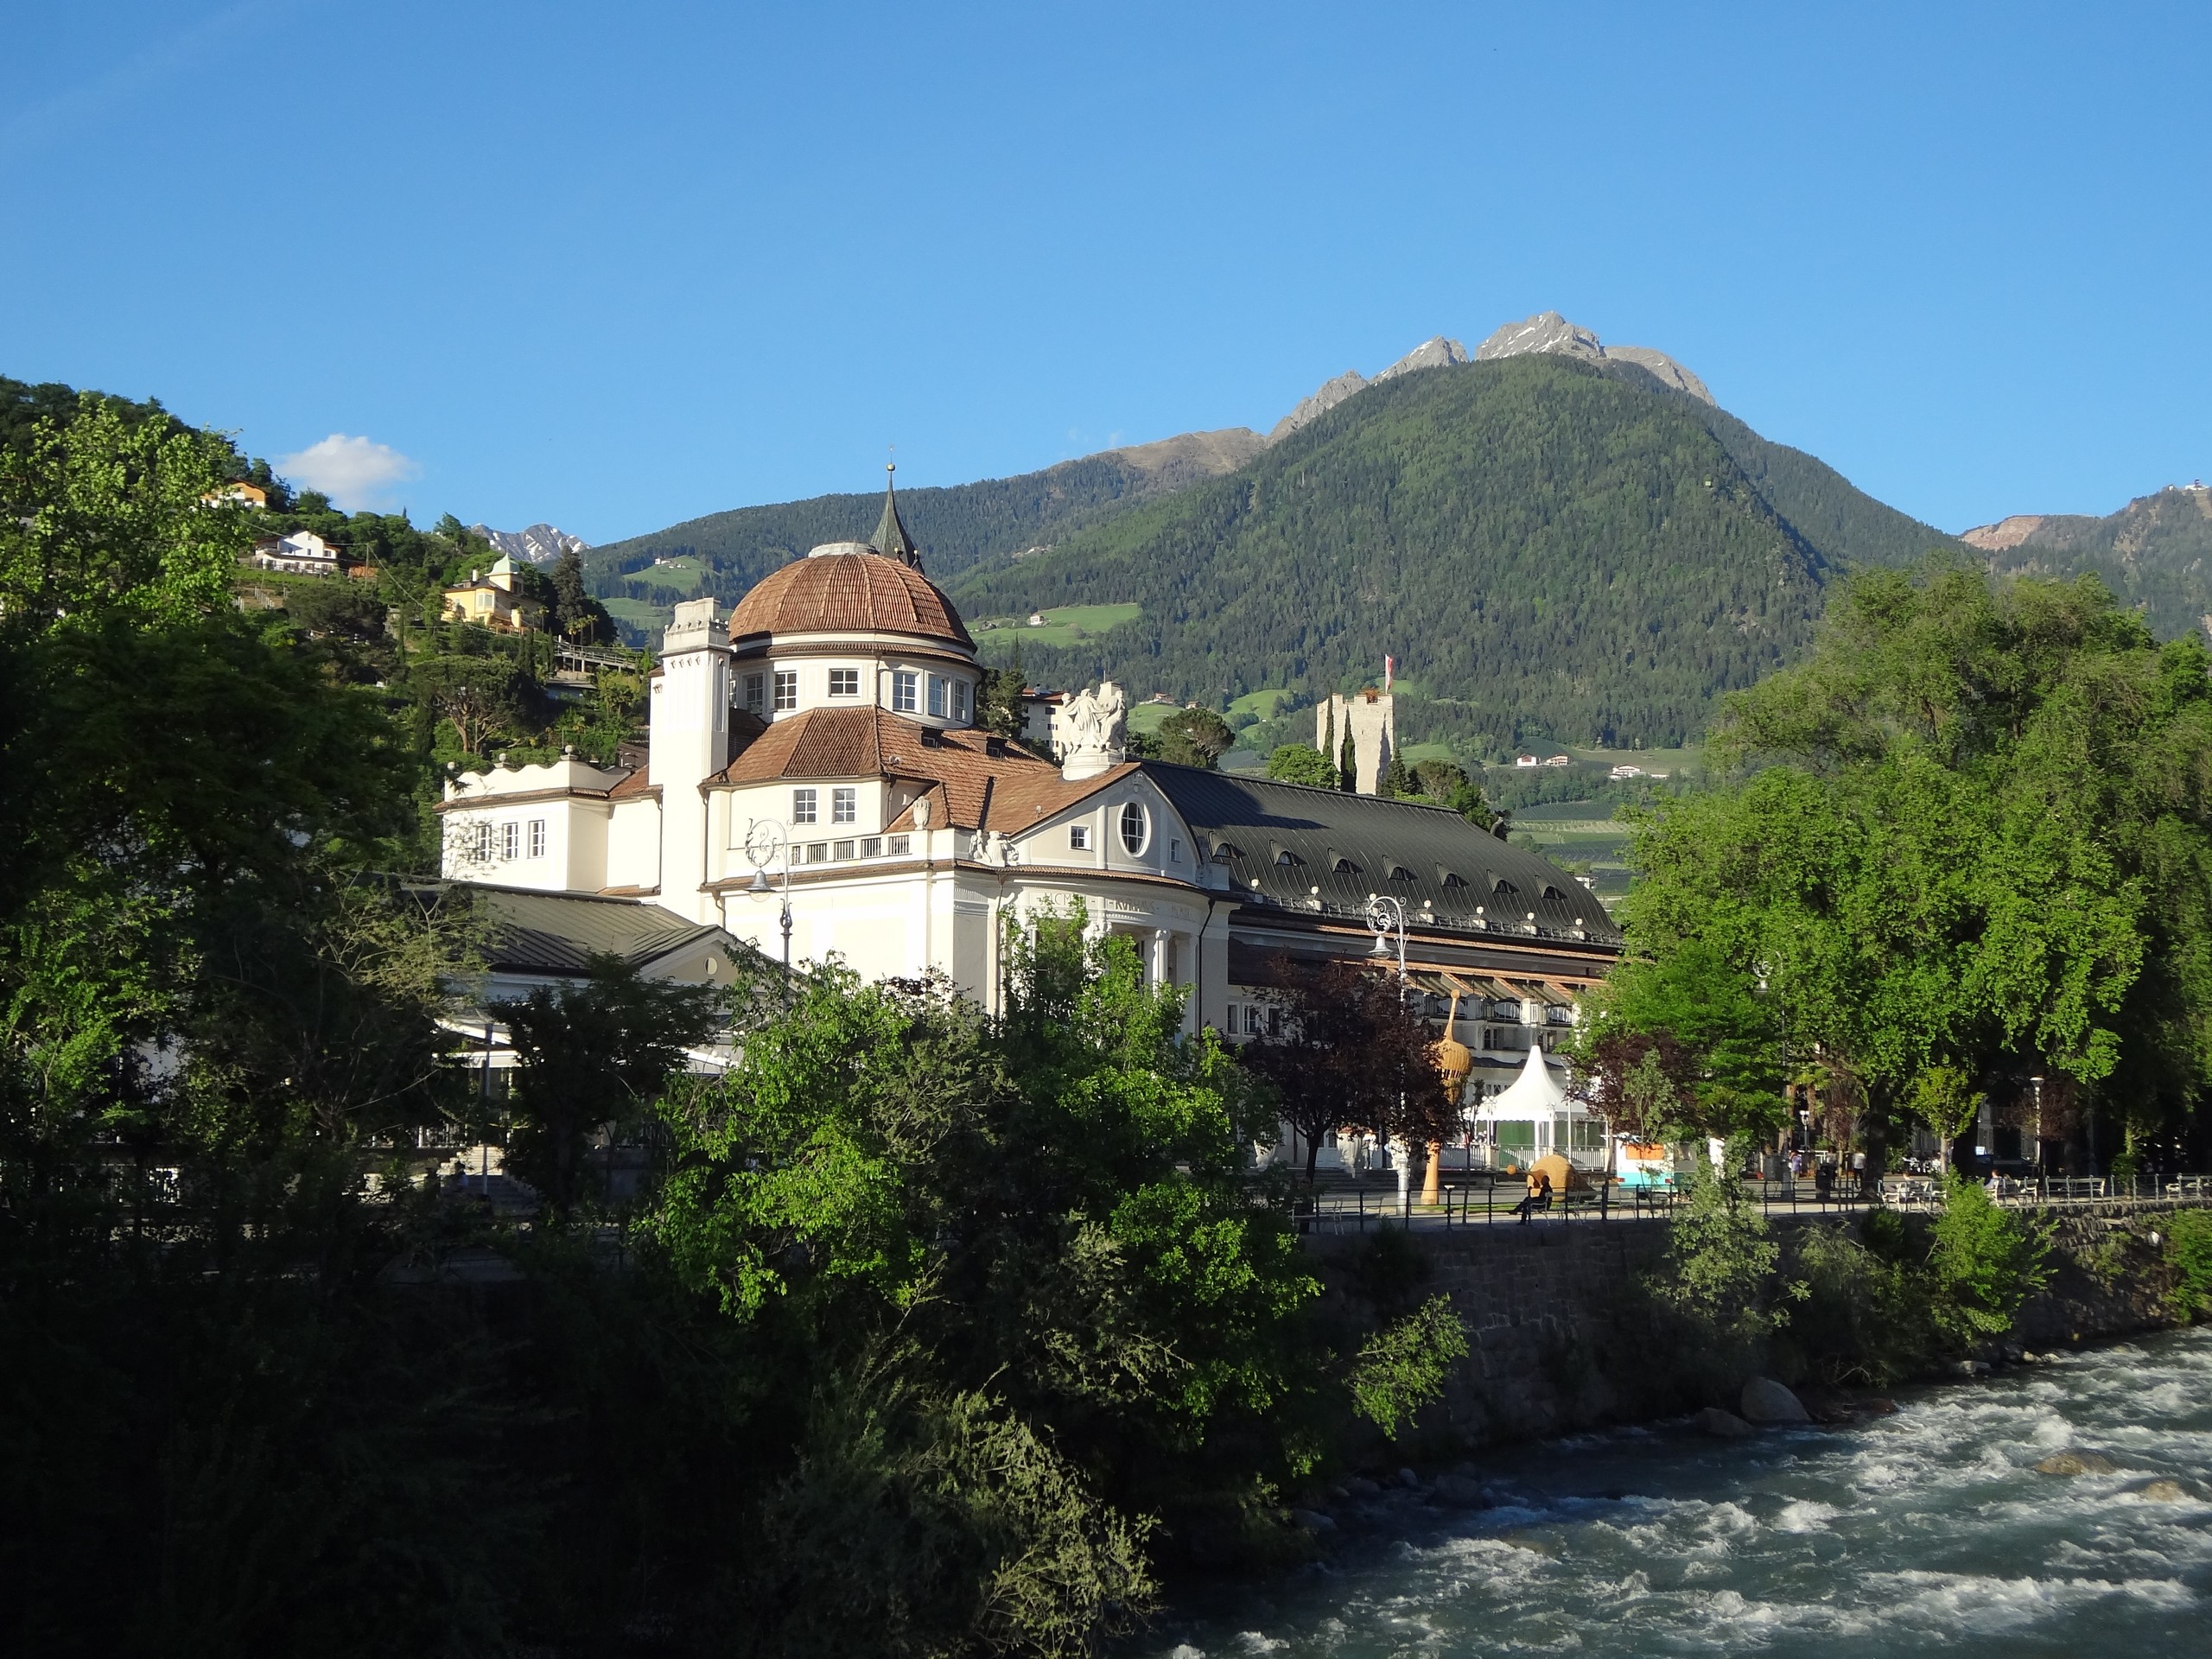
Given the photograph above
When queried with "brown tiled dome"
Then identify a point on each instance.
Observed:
(848, 593)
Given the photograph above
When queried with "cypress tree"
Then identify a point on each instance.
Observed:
(1348, 763)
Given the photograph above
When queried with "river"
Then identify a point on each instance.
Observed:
(1923, 1532)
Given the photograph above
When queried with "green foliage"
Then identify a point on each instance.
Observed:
(100, 518)
(1985, 1262)
(1862, 1316)
(2190, 1236)
(1299, 762)
(1402, 1367)
(922, 1525)
(1548, 547)
(1721, 1262)
(1982, 841)
(592, 1058)
(1195, 737)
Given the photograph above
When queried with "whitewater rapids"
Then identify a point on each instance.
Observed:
(1924, 1532)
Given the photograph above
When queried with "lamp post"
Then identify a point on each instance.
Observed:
(1386, 916)
(766, 843)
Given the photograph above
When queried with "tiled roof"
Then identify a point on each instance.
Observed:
(977, 782)
(848, 593)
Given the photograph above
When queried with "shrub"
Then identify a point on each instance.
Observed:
(1720, 1260)
(2191, 1235)
(1856, 1319)
(1985, 1262)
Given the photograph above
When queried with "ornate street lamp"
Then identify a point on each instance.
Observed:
(766, 843)
(1388, 916)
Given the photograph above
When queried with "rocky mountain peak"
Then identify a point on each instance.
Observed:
(1436, 352)
(539, 544)
(1318, 403)
(1547, 331)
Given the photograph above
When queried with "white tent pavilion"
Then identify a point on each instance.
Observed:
(1535, 1116)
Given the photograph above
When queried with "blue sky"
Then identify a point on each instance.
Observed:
(617, 266)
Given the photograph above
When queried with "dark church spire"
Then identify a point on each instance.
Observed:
(890, 538)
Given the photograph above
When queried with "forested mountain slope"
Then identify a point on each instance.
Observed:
(2156, 553)
(725, 553)
(1550, 548)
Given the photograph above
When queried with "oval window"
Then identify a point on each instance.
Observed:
(1136, 828)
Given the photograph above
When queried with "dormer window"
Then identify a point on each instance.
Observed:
(1400, 873)
(906, 692)
(786, 690)
(1451, 878)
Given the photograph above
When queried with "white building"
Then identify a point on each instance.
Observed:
(825, 737)
(302, 553)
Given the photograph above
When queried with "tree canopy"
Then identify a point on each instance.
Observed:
(1973, 831)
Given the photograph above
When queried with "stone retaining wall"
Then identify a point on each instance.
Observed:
(1561, 1337)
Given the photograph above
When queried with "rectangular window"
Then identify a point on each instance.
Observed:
(844, 682)
(483, 839)
(844, 806)
(903, 690)
(936, 695)
(1174, 851)
(1274, 1022)
(899, 845)
(841, 850)
(960, 699)
(817, 851)
(756, 693)
(1252, 1019)
(1080, 837)
(538, 837)
(804, 806)
(510, 840)
(786, 690)
(872, 848)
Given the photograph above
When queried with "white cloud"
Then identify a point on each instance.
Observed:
(354, 472)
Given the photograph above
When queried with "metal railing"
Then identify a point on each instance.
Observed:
(1487, 1199)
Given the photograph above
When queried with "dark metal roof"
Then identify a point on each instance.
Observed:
(1281, 841)
(535, 932)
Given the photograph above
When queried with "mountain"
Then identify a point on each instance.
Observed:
(1436, 353)
(2156, 552)
(1002, 519)
(1552, 541)
(539, 544)
(1550, 333)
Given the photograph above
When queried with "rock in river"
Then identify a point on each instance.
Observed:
(1765, 1400)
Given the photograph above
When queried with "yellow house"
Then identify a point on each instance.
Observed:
(493, 601)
